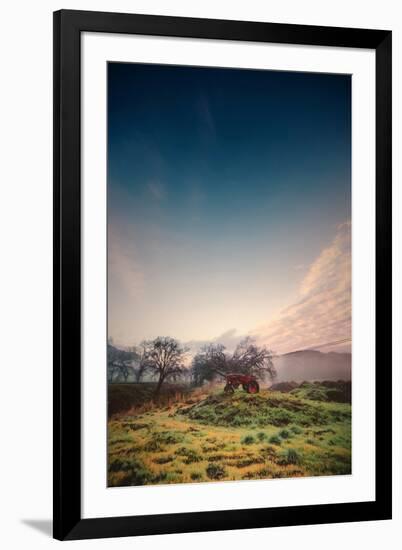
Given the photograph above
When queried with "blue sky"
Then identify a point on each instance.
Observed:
(224, 187)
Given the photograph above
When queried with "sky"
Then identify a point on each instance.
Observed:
(229, 205)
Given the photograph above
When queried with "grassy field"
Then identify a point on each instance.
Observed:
(210, 436)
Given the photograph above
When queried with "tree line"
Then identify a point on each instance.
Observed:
(166, 359)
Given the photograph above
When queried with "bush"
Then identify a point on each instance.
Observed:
(296, 429)
(135, 472)
(279, 417)
(189, 454)
(261, 436)
(244, 462)
(134, 425)
(214, 471)
(247, 440)
(195, 476)
(163, 459)
(268, 452)
(274, 439)
(120, 465)
(284, 434)
(153, 446)
(291, 456)
(169, 438)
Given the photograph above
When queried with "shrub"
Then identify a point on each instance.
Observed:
(195, 476)
(279, 417)
(163, 459)
(189, 454)
(169, 438)
(247, 439)
(274, 440)
(291, 456)
(153, 446)
(261, 436)
(244, 462)
(296, 429)
(284, 434)
(134, 425)
(120, 465)
(209, 448)
(214, 471)
(268, 452)
(214, 458)
(135, 472)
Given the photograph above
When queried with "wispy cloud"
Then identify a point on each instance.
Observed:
(323, 312)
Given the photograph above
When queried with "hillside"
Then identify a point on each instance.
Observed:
(123, 397)
(213, 436)
(266, 408)
(339, 391)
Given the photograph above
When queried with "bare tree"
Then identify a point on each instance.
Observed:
(247, 358)
(209, 362)
(120, 363)
(164, 357)
(142, 363)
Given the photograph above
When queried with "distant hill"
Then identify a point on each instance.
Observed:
(313, 365)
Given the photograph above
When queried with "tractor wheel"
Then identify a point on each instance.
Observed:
(228, 388)
(253, 387)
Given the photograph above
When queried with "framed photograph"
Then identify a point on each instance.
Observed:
(222, 274)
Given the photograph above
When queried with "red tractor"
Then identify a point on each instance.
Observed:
(247, 381)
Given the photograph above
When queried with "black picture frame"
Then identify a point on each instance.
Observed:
(68, 522)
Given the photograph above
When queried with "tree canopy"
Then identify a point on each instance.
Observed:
(164, 357)
(214, 360)
(120, 362)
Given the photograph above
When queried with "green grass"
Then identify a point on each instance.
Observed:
(328, 391)
(215, 437)
(270, 408)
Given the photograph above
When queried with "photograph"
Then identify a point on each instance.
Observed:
(200, 260)
(229, 313)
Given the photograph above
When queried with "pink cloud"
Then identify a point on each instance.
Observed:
(322, 313)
